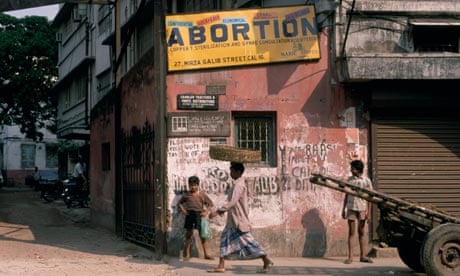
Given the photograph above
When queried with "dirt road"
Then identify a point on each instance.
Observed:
(38, 238)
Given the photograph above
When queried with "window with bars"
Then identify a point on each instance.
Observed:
(257, 131)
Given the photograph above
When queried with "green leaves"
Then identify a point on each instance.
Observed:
(28, 58)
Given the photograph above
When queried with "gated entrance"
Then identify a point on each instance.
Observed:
(138, 185)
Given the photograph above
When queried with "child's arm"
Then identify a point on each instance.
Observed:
(344, 213)
(182, 209)
(207, 202)
(181, 206)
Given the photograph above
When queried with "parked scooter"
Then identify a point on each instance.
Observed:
(75, 194)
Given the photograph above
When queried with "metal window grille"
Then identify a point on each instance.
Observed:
(256, 133)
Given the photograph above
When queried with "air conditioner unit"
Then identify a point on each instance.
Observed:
(58, 37)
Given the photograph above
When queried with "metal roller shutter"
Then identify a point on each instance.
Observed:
(418, 159)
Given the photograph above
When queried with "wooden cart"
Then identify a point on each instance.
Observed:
(428, 240)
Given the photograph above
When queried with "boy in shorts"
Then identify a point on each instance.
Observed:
(357, 211)
(194, 205)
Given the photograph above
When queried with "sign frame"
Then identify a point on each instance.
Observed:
(241, 37)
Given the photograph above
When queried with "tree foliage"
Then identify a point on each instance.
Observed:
(28, 69)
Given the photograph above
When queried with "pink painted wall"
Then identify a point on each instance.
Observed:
(138, 104)
(138, 99)
(102, 183)
(290, 215)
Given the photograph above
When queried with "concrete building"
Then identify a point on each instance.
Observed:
(83, 79)
(402, 59)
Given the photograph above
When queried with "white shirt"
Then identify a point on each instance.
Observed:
(78, 170)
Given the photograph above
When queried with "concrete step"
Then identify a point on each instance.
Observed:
(383, 252)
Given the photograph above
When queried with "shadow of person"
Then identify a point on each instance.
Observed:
(315, 236)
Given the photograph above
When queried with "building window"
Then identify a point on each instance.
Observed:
(257, 131)
(145, 39)
(51, 156)
(104, 82)
(105, 147)
(66, 97)
(104, 19)
(197, 5)
(27, 156)
(80, 89)
(436, 38)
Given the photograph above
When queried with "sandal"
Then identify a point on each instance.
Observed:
(366, 260)
(216, 270)
(266, 268)
(209, 257)
(348, 261)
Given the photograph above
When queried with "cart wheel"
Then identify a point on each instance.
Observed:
(409, 252)
(441, 250)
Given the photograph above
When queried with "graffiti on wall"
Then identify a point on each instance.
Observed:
(268, 188)
(297, 164)
(188, 151)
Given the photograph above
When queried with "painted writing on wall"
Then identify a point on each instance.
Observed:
(297, 164)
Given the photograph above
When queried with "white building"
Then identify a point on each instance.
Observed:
(83, 79)
(19, 155)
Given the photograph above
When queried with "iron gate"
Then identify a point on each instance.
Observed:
(138, 185)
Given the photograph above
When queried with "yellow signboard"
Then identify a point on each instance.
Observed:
(241, 37)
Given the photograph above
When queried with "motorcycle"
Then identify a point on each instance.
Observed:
(75, 194)
(51, 191)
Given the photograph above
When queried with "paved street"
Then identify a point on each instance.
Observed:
(38, 238)
(296, 266)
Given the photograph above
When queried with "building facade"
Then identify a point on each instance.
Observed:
(359, 76)
(84, 80)
(402, 58)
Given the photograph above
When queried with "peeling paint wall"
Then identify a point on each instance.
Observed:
(317, 125)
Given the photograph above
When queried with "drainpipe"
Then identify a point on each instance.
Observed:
(342, 52)
(89, 78)
(160, 146)
(118, 134)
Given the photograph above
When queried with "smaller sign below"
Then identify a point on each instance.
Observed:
(216, 89)
(193, 101)
(199, 124)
